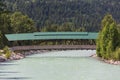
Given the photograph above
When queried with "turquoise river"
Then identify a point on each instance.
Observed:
(59, 65)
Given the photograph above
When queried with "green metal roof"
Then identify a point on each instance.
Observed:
(51, 35)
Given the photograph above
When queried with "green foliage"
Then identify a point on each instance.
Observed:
(2, 6)
(64, 42)
(21, 23)
(108, 39)
(5, 26)
(1, 40)
(117, 54)
(81, 13)
(50, 28)
(98, 46)
(14, 23)
(118, 28)
(66, 27)
(7, 52)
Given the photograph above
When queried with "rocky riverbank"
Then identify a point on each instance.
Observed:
(13, 56)
(21, 55)
(106, 61)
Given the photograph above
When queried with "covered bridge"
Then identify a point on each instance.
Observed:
(46, 36)
(51, 36)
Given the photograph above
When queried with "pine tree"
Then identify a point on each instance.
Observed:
(1, 40)
(2, 6)
(108, 38)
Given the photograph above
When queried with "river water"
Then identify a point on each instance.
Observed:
(60, 65)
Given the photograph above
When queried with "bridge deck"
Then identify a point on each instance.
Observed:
(55, 47)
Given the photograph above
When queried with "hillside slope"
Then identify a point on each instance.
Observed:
(81, 13)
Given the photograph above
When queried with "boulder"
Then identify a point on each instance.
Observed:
(2, 59)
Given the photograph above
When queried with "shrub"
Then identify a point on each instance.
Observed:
(117, 54)
(7, 52)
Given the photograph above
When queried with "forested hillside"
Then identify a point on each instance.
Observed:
(79, 13)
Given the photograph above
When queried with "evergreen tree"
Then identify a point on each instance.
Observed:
(2, 27)
(1, 6)
(82, 13)
(108, 38)
(1, 40)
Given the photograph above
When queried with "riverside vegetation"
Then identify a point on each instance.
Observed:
(80, 13)
(108, 43)
(17, 22)
(68, 17)
(6, 55)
